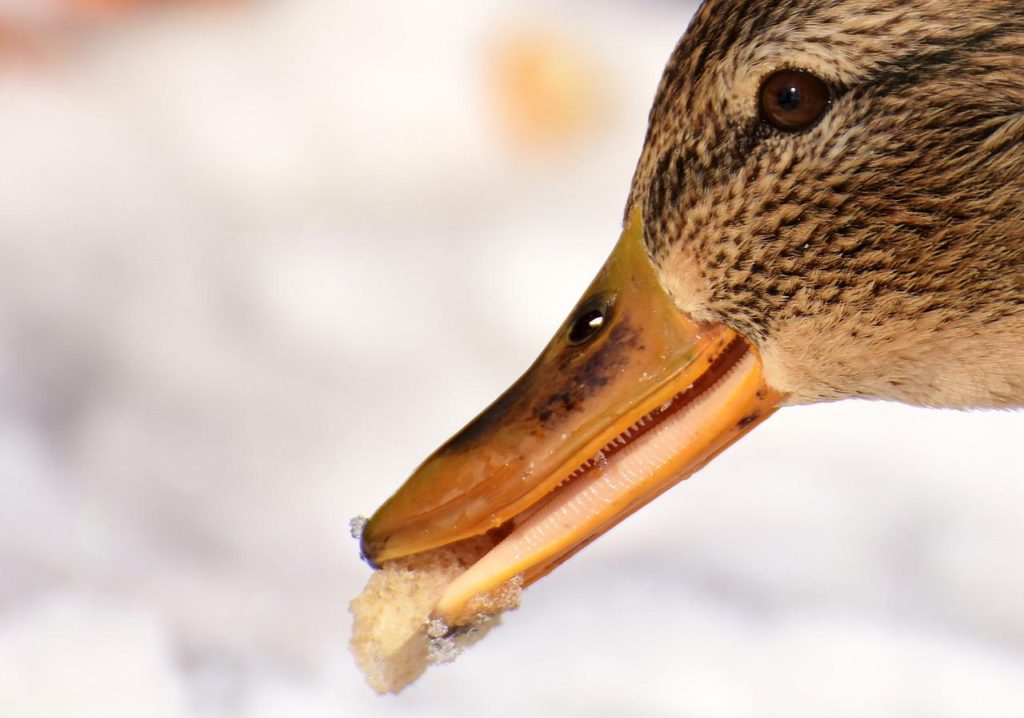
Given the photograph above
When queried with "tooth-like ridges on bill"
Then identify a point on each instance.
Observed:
(625, 437)
(581, 508)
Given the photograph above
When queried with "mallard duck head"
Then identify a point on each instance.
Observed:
(829, 204)
(843, 184)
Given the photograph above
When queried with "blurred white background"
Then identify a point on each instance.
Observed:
(257, 259)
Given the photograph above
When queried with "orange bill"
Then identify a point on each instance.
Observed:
(629, 398)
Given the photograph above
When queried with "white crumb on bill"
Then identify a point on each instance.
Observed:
(393, 638)
(356, 526)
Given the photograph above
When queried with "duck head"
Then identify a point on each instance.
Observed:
(829, 203)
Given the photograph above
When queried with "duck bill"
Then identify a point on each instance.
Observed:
(630, 397)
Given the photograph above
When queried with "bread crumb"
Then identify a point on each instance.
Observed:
(393, 638)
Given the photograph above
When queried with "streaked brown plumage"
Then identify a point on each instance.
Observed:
(879, 254)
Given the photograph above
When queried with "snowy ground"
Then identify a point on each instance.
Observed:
(256, 264)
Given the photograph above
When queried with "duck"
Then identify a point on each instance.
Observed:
(828, 204)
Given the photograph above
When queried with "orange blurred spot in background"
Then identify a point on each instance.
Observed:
(27, 38)
(103, 6)
(544, 87)
(115, 7)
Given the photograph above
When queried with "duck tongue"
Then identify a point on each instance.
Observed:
(630, 397)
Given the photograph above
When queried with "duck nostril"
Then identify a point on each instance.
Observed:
(590, 319)
(586, 326)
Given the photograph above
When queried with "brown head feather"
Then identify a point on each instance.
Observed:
(879, 254)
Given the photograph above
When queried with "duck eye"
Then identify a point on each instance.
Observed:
(794, 100)
(592, 316)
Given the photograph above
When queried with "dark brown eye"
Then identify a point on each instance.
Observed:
(592, 316)
(793, 100)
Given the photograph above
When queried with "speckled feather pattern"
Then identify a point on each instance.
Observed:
(879, 254)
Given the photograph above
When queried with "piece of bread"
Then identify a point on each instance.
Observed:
(393, 638)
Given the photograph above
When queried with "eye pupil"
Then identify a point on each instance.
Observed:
(789, 98)
(794, 100)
